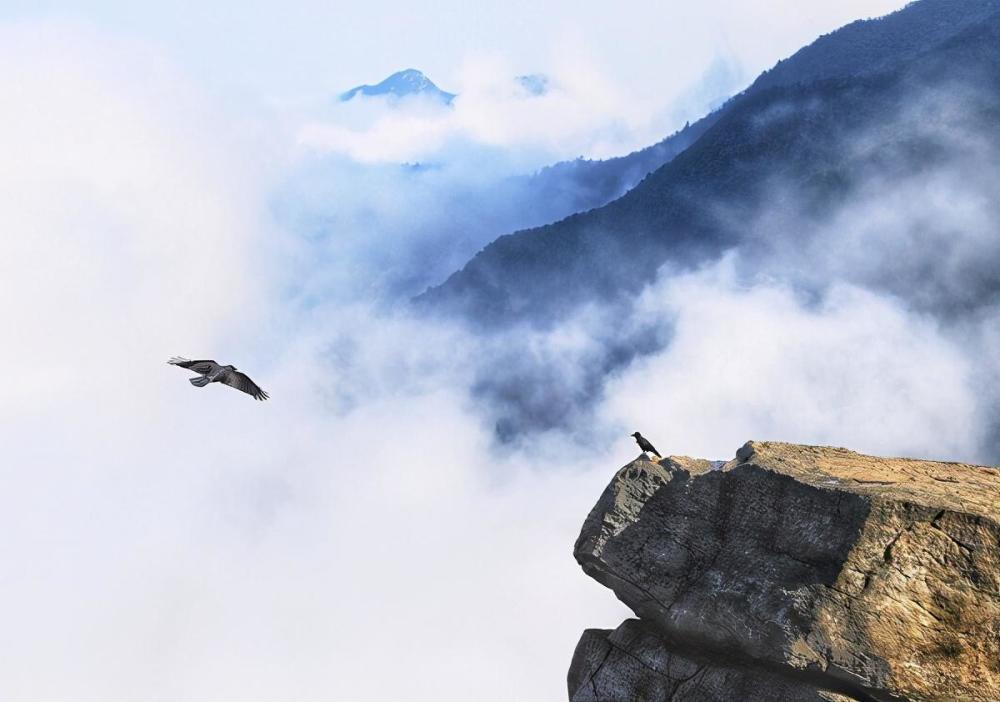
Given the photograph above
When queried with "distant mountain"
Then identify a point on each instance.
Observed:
(564, 188)
(401, 84)
(792, 124)
(570, 187)
(864, 46)
(414, 82)
(534, 83)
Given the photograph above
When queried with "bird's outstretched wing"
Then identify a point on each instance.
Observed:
(204, 367)
(240, 381)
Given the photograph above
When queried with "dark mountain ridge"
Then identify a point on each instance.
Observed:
(878, 44)
(569, 187)
(790, 125)
(864, 46)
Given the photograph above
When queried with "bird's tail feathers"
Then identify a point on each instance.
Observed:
(200, 382)
(174, 360)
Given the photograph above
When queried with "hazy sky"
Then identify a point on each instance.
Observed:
(293, 48)
(166, 543)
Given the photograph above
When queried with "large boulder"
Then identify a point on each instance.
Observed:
(874, 578)
(633, 663)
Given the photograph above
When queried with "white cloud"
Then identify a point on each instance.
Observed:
(621, 80)
(854, 369)
(169, 543)
(356, 536)
(125, 228)
(585, 112)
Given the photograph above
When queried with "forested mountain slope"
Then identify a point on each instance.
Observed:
(824, 136)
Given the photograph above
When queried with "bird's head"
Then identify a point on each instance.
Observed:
(636, 435)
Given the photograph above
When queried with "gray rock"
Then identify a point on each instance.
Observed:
(632, 663)
(875, 578)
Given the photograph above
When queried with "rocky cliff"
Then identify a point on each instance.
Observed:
(795, 573)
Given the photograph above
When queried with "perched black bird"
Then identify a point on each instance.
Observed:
(212, 372)
(639, 439)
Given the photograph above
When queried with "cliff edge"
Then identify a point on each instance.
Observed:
(795, 573)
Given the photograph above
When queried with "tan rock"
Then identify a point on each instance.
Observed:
(878, 578)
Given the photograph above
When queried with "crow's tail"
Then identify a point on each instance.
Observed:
(200, 382)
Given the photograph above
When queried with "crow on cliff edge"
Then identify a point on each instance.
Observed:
(645, 445)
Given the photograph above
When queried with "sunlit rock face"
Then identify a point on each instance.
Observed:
(817, 571)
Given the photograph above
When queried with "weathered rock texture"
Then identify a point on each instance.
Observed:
(635, 659)
(792, 573)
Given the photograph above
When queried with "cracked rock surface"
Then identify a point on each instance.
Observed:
(795, 573)
(632, 658)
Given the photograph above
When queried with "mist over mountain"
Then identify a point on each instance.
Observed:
(570, 187)
(401, 84)
(871, 45)
(524, 200)
(421, 463)
(782, 127)
(451, 205)
(534, 83)
(879, 174)
(410, 81)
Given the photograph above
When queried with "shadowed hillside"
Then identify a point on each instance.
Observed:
(803, 123)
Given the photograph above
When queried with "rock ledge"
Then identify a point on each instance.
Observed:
(795, 573)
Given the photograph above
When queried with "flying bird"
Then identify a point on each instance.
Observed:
(639, 439)
(212, 372)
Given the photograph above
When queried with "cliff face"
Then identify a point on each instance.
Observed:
(795, 573)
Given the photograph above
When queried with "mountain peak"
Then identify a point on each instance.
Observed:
(534, 83)
(409, 81)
